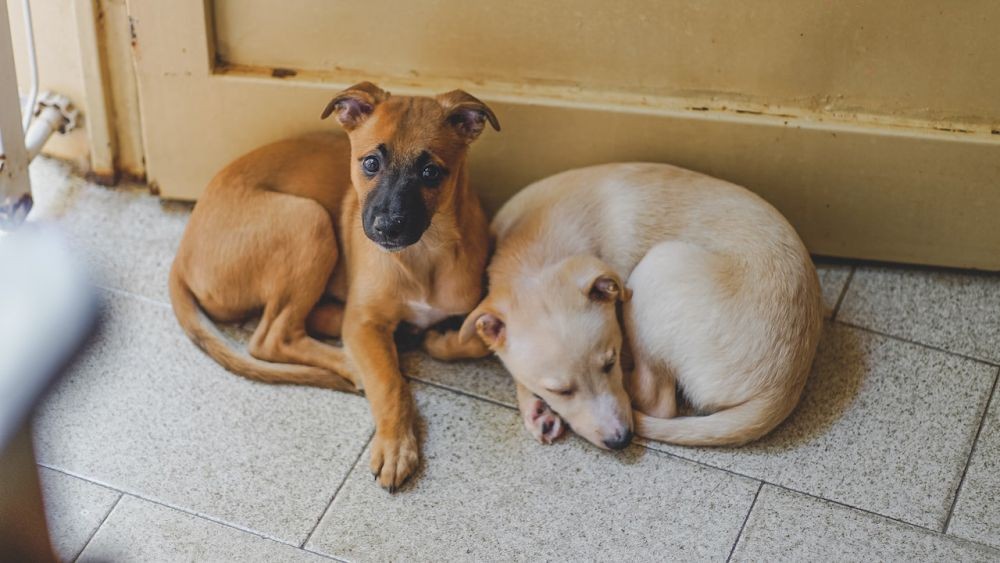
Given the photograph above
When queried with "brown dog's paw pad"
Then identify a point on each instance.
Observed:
(394, 460)
(544, 424)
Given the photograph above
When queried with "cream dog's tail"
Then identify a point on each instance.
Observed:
(206, 335)
(734, 426)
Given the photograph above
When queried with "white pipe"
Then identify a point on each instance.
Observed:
(55, 113)
(48, 121)
(29, 30)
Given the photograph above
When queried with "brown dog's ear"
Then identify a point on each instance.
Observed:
(486, 323)
(467, 114)
(355, 104)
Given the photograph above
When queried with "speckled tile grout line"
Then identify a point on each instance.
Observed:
(462, 392)
(921, 344)
(180, 509)
(972, 452)
(843, 293)
(99, 526)
(337, 491)
(744, 524)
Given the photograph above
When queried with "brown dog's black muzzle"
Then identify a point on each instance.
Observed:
(394, 214)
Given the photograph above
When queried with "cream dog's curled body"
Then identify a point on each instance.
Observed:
(724, 306)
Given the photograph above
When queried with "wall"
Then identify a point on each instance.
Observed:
(59, 68)
(58, 26)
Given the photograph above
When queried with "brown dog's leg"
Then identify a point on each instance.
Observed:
(395, 452)
(298, 279)
(447, 346)
(654, 394)
(326, 319)
(281, 337)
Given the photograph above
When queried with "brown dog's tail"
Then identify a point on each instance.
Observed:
(206, 335)
(734, 426)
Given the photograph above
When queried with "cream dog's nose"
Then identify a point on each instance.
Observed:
(621, 439)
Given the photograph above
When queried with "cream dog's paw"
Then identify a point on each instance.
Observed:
(544, 424)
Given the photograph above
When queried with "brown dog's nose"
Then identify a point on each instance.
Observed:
(622, 438)
(389, 227)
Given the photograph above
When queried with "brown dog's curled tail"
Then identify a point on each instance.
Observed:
(204, 333)
(734, 426)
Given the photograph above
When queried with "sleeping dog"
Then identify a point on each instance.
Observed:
(716, 292)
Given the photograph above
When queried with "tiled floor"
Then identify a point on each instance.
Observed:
(150, 451)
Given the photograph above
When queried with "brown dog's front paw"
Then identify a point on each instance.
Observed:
(394, 459)
(544, 424)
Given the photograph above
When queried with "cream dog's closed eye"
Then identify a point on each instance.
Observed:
(717, 293)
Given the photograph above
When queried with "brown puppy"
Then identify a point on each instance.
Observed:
(384, 222)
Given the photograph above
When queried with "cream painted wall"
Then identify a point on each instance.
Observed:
(873, 126)
(908, 62)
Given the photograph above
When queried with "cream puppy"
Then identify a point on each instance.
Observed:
(721, 302)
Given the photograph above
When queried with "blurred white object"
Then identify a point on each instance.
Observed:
(47, 309)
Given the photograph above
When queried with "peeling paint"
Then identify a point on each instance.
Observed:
(952, 130)
(279, 72)
(131, 31)
(712, 105)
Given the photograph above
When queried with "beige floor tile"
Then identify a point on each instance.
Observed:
(74, 509)
(787, 526)
(977, 511)
(146, 412)
(956, 311)
(139, 530)
(489, 493)
(883, 425)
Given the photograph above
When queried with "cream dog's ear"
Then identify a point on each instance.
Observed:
(487, 324)
(596, 279)
(608, 288)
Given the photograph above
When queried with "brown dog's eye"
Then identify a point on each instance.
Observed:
(431, 173)
(564, 392)
(370, 165)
